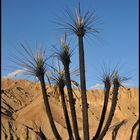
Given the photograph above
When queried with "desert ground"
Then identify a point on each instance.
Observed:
(23, 112)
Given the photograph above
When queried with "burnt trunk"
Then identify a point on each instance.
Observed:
(106, 97)
(48, 109)
(111, 114)
(66, 114)
(71, 101)
(83, 89)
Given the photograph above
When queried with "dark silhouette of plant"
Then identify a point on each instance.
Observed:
(117, 82)
(116, 129)
(107, 77)
(27, 133)
(35, 65)
(64, 55)
(58, 76)
(81, 25)
(133, 128)
(39, 132)
(137, 137)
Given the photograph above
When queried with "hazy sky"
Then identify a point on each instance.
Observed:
(31, 22)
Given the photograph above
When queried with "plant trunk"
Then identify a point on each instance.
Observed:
(83, 89)
(111, 114)
(137, 137)
(71, 101)
(48, 109)
(66, 114)
(106, 97)
(41, 135)
(133, 128)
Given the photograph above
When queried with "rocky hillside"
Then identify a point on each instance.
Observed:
(24, 116)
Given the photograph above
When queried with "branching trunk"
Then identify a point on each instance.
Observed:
(71, 101)
(106, 97)
(111, 114)
(83, 89)
(66, 114)
(48, 110)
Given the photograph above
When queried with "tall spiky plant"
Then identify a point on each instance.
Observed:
(107, 77)
(64, 55)
(81, 26)
(58, 77)
(117, 82)
(35, 65)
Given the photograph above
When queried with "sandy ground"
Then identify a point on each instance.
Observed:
(23, 112)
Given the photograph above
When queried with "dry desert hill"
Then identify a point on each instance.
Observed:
(23, 112)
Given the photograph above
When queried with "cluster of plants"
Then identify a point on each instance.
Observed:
(36, 64)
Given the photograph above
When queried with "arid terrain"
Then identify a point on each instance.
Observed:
(23, 112)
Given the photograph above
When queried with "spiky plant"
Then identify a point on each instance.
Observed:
(35, 65)
(81, 25)
(58, 77)
(117, 83)
(64, 55)
(107, 77)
